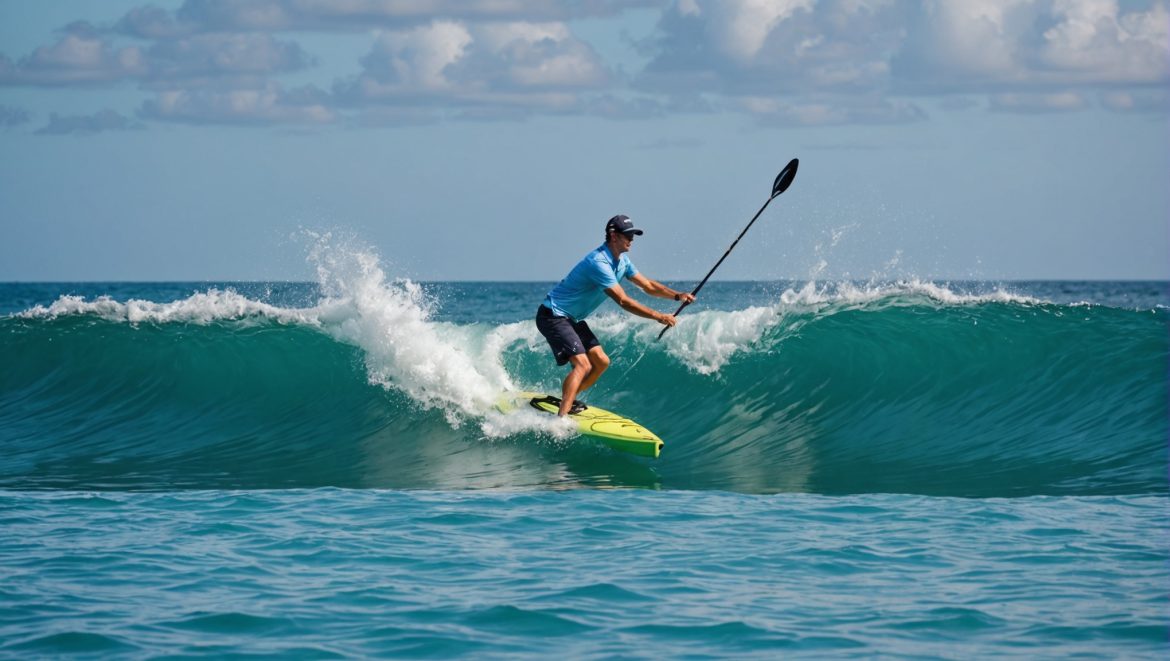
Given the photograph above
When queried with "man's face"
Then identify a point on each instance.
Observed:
(623, 241)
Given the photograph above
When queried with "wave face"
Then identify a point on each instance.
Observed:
(904, 387)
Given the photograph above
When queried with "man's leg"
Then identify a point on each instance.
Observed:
(598, 362)
(572, 384)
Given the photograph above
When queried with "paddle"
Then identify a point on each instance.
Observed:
(783, 181)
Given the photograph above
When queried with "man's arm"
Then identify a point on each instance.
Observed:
(655, 288)
(628, 304)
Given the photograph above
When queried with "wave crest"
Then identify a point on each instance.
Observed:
(834, 387)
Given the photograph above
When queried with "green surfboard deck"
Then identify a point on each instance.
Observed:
(615, 431)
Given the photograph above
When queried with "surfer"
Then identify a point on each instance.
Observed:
(561, 317)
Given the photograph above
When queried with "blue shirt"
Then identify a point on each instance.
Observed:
(580, 292)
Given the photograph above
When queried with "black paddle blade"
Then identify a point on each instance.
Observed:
(784, 179)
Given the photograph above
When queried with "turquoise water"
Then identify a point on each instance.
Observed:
(317, 470)
(579, 574)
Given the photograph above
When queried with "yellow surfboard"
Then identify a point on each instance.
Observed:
(617, 432)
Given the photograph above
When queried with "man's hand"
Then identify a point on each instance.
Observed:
(667, 320)
(686, 297)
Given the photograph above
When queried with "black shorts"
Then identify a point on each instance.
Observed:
(566, 337)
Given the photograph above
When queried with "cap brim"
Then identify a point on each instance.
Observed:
(633, 231)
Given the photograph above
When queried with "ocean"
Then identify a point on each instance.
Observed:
(902, 468)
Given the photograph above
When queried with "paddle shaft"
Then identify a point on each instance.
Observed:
(729, 249)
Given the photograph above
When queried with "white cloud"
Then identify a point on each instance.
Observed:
(795, 54)
(832, 111)
(104, 120)
(80, 56)
(85, 55)
(794, 61)
(784, 47)
(482, 70)
(1030, 45)
(210, 55)
(782, 61)
(741, 26)
(972, 40)
(1095, 40)
(417, 59)
(271, 104)
(200, 78)
(1155, 100)
(1024, 102)
(357, 15)
(540, 55)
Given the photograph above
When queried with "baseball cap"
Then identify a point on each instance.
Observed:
(623, 224)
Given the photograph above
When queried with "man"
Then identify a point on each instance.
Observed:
(561, 318)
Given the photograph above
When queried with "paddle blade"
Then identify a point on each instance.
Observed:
(784, 179)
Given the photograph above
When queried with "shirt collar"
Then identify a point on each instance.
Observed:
(604, 248)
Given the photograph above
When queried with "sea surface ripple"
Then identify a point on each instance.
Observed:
(329, 573)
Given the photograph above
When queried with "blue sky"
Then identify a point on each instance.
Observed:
(491, 139)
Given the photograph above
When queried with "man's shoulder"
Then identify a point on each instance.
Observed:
(595, 258)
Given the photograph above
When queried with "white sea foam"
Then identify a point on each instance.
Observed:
(499, 425)
(705, 341)
(891, 294)
(438, 365)
(457, 369)
(200, 308)
(460, 368)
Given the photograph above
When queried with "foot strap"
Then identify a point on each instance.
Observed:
(577, 407)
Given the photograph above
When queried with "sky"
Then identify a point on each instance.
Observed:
(492, 139)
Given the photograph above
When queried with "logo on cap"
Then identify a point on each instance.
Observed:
(622, 223)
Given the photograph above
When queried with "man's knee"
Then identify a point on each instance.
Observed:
(581, 363)
(598, 359)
